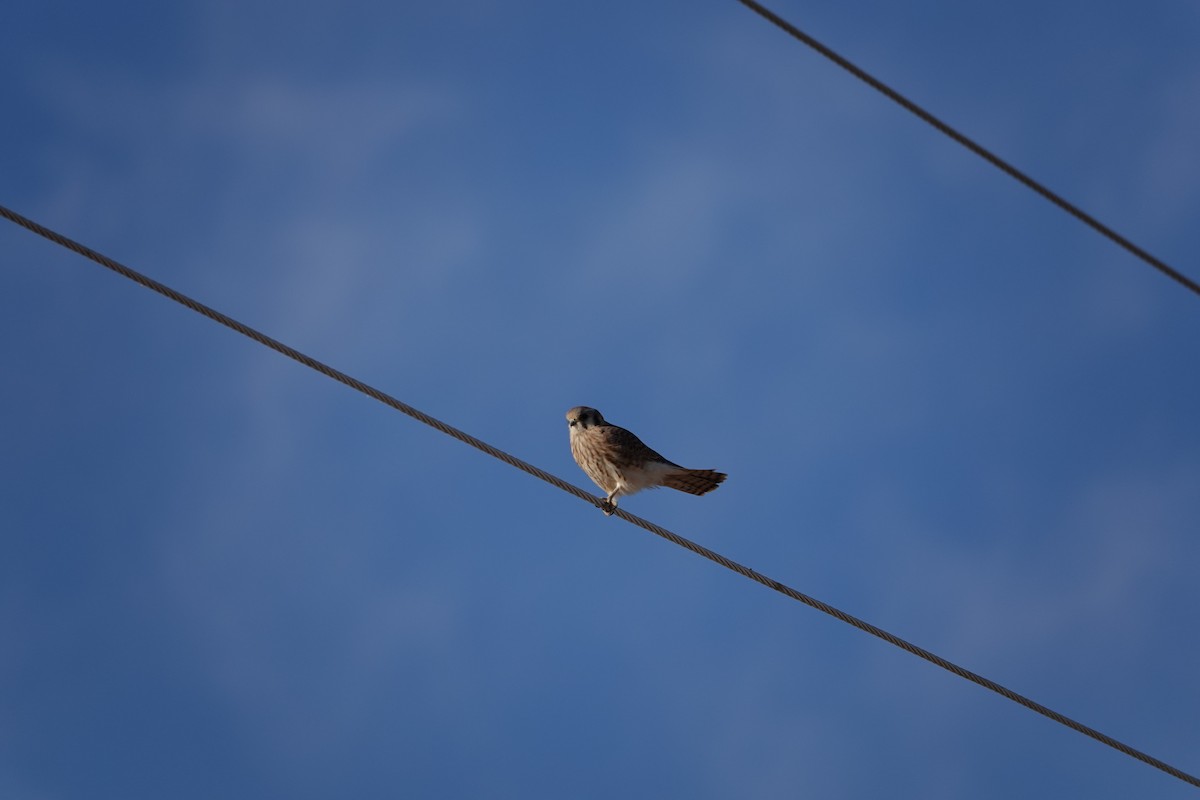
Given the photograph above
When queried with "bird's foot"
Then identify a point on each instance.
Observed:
(608, 507)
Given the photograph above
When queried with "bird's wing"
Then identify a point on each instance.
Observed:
(629, 447)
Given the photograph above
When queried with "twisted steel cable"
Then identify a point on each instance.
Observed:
(570, 488)
(972, 145)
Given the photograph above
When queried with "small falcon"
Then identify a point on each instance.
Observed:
(621, 464)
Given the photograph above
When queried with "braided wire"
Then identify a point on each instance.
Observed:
(292, 353)
(570, 488)
(972, 145)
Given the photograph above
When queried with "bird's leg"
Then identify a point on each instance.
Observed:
(610, 504)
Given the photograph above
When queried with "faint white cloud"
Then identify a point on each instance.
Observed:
(1095, 569)
(296, 640)
(1171, 173)
(658, 225)
(1119, 301)
(201, 146)
(267, 185)
(334, 128)
(356, 283)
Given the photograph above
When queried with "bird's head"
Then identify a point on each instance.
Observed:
(582, 418)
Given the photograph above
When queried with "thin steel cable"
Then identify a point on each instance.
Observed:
(972, 145)
(554, 480)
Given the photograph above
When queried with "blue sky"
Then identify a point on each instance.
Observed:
(944, 405)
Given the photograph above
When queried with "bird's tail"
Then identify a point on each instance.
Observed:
(694, 481)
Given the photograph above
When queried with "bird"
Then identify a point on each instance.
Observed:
(621, 464)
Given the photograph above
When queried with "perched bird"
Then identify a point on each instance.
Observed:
(621, 464)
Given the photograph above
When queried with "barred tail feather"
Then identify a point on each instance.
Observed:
(694, 481)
